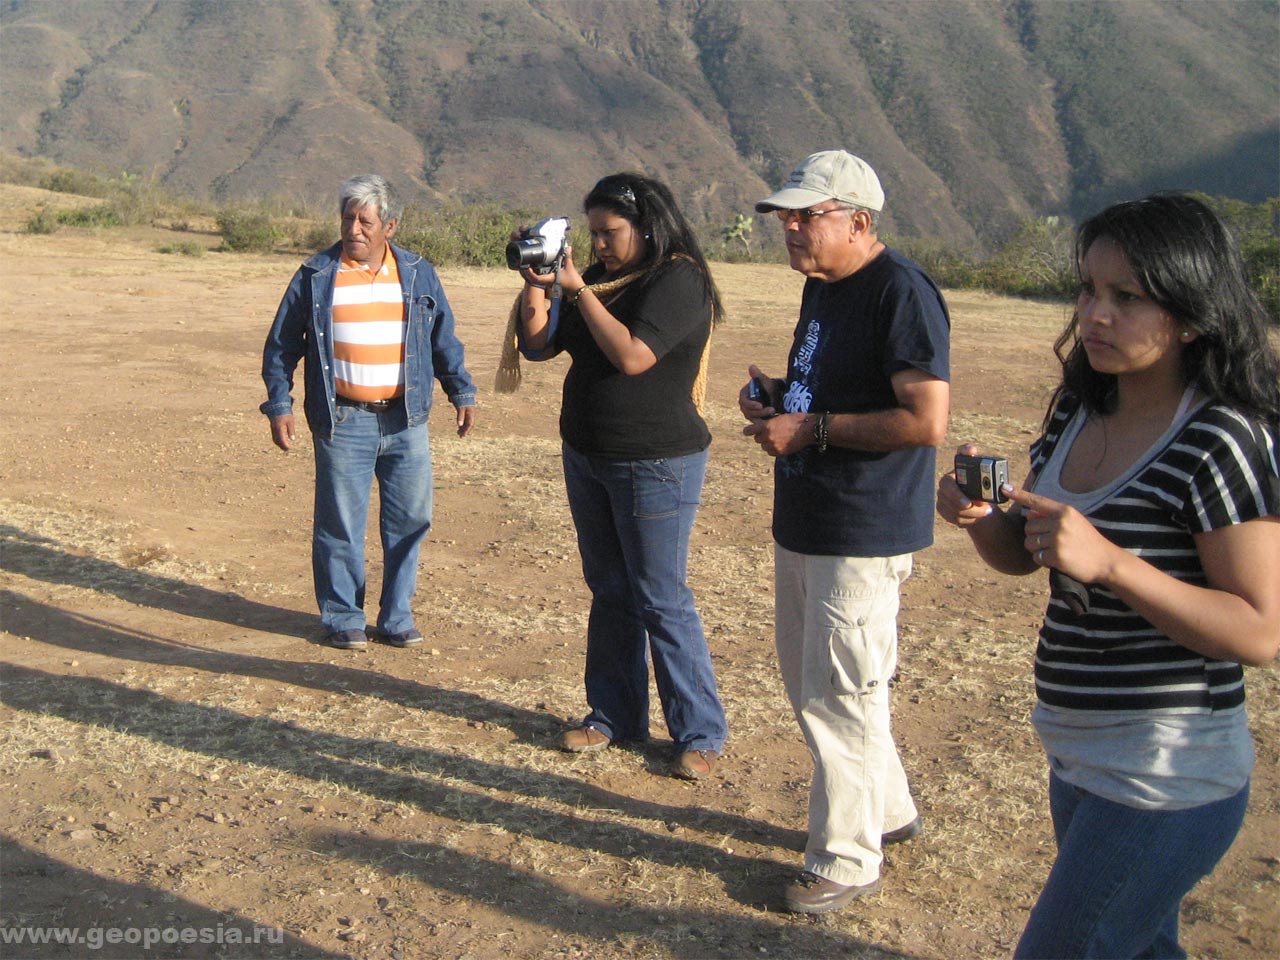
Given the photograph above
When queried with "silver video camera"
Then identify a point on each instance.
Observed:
(541, 247)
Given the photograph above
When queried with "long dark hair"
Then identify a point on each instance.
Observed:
(1188, 264)
(649, 207)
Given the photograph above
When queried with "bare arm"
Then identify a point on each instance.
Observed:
(918, 420)
(535, 312)
(1236, 617)
(998, 535)
(627, 353)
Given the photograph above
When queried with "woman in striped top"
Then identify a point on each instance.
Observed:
(1155, 482)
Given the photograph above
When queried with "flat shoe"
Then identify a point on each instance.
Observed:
(347, 639)
(584, 740)
(810, 893)
(405, 638)
(695, 764)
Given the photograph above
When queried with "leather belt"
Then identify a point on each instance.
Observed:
(373, 406)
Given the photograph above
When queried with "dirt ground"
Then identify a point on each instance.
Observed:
(186, 768)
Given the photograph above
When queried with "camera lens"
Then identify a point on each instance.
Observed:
(515, 253)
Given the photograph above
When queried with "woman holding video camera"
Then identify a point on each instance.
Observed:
(1156, 486)
(636, 323)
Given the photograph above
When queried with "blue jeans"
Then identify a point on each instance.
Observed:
(1121, 873)
(634, 518)
(366, 445)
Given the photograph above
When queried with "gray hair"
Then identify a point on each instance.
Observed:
(874, 225)
(369, 188)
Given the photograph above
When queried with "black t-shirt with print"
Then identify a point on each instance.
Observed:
(853, 336)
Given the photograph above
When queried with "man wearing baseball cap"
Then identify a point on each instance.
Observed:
(853, 429)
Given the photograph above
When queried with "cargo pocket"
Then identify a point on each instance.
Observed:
(863, 651)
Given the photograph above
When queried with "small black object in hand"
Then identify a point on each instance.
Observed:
(1070, 591)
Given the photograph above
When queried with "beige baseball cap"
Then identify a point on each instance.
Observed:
(828, 175)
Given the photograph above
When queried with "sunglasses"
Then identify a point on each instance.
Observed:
(805, 216)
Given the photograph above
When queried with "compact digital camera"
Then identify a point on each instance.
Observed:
(980, 478)
(541, 247)
(758, 390)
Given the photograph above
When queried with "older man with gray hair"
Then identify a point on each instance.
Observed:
(853, 428)
(375, 329)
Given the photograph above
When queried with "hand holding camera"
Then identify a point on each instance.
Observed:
(967, 496)
(756, 399)
(541, 250)
(981, 478)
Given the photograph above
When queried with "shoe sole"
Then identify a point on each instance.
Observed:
(585, 747)
(588, 748)
(680, 771)
(684, 773)
(347, 644)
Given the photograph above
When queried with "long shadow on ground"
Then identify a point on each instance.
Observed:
(389, 772)
(71, 631)
(41, 558)
(73, 909)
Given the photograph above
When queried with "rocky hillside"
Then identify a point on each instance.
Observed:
(976, 114)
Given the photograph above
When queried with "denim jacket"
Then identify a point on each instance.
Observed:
(304, 328)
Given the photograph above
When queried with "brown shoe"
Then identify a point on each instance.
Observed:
(810, 893)
(903, 834)
(695, 764)
(584, 740)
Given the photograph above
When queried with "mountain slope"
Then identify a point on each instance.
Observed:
(976, 114)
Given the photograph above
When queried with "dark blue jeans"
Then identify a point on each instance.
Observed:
(634, 518)
(1121, 873)
(366, 446)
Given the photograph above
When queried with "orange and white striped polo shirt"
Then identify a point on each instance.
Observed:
(368, 330)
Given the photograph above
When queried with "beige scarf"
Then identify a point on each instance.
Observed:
(507, 379)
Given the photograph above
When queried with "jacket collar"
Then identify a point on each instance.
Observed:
(330, 258)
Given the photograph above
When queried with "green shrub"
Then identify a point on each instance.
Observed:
(76, 181)
(43, 221)
(472, 234)
(1257, 230)
(187, 248)
(1262, 260)
(1037, 261)
(248, 231)
(126, 208)
(319, 237)
(101, 215)
(947, 266)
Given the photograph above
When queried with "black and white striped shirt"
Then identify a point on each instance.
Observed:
(1215, 468)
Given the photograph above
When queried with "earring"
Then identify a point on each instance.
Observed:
(1184, 336)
